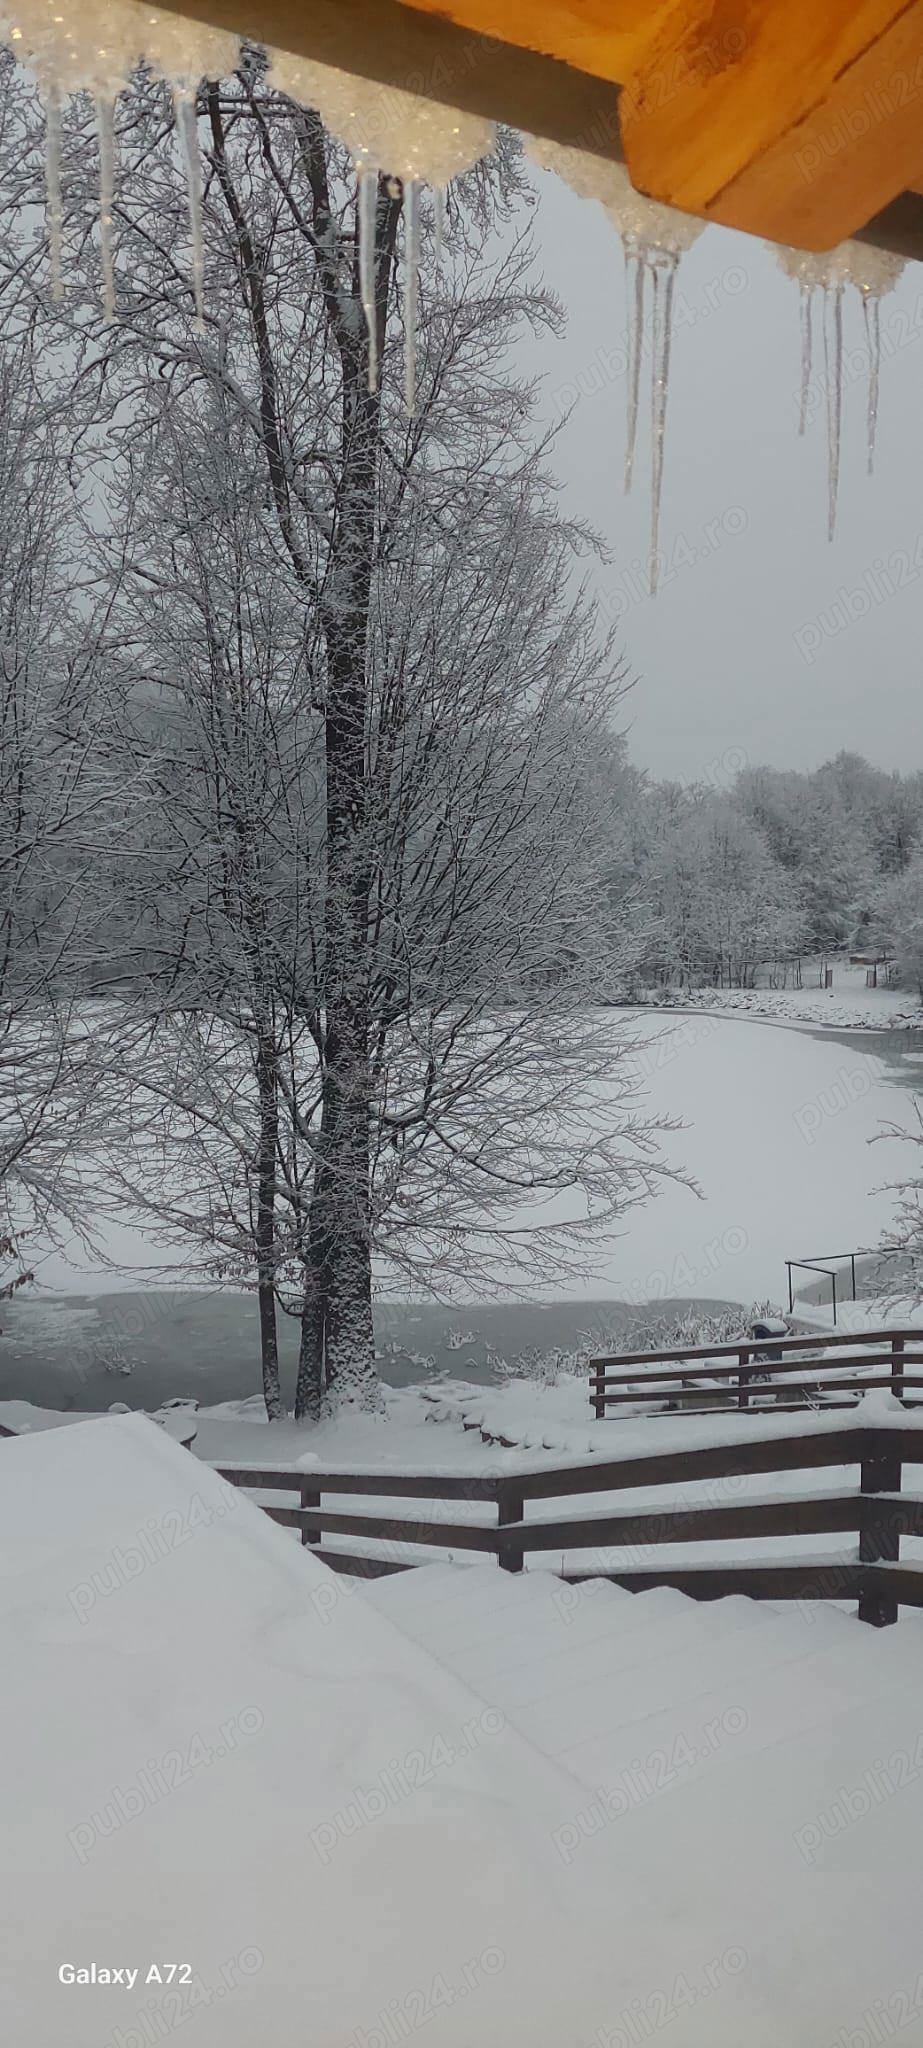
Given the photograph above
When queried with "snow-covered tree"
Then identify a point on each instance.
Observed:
(719, 905)
(59, 813)
(897, 922)
(392, 604)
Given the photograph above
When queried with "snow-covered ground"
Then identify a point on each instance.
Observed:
(776, 1125)
(499, 1811)
(228, 1765)
(848, 1005)
(761, 1765)
(874, 1312)
(496, 1433)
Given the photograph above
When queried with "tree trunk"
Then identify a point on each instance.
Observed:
(349, 1341)
(343, 1280)
(312, 1355)
(337, 1342)
(266, 1227)
(269, 1351)
(337, 1352)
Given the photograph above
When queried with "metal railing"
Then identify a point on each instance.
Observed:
(826, 1264)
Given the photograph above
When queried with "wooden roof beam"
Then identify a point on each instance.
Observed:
(793, 119)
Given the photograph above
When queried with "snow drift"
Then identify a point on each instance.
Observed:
(221, 1758)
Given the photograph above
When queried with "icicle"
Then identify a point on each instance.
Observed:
(439, 221)
(411, 290)
(871, 307)
(105, 128)
(833, 377)
(872, 273)
(55, 202)
(634, 325)
(367, 221)
(807, 337)
(184, 108)
(661, 335)
(653, 237)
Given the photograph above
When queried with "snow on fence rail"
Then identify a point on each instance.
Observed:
(877, 1512)
(667, 1376)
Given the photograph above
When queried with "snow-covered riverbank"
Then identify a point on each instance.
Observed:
(848, 1005)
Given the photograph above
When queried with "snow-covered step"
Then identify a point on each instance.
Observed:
(615, 1679)
(489, 1624)
(593, 1651)
(814, 1840)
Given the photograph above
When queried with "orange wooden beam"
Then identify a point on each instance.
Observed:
(794, 119)
(607, 37)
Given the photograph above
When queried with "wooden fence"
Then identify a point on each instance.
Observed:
(672, 1377)
(877, 1512)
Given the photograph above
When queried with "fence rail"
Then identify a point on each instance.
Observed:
(877, 1512)
(670, 1375)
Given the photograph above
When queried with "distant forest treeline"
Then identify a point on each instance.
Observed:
(718, 884)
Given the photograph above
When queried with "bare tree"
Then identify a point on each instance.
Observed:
(217, 1060)
(57, 818)
(459, 1104)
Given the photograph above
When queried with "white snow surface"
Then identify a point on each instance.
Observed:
(508, 1810)
(776, 1130)
(764, 1764)
(232, 1760)
(847, 1006)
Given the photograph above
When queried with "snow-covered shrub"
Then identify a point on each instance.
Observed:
(543, 1368)
(693, 1327)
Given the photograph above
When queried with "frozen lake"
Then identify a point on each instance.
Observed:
(778, 1124)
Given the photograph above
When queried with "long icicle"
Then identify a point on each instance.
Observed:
(634, 329)
(105, 128)
(54, 195)
(661, 334)
(833, 373)
(411, 290)
(367, 219)
(184, 108)
(807, 345)
(871, 307)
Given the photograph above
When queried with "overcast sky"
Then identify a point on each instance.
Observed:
(733, 661)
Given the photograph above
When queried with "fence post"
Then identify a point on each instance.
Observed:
(510, 1508)
(743, 1377)
(879, 1533)
(310, 1498)
(599, 1405)
(897, 1367)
